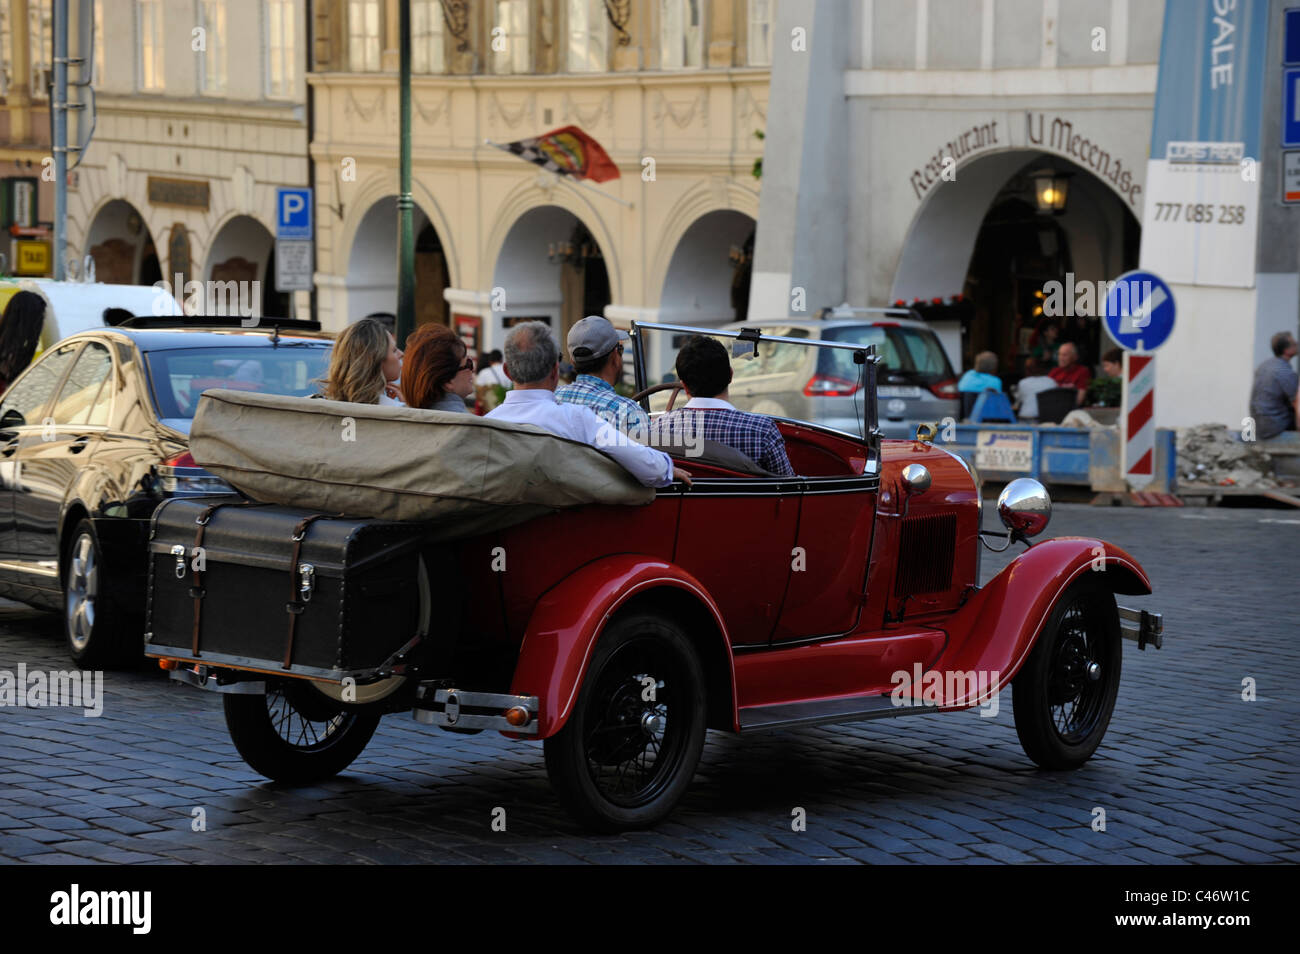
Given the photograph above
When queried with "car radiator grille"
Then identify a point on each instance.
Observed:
(925, 555)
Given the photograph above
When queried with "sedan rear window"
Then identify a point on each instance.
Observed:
(179, 377)
(915, 351)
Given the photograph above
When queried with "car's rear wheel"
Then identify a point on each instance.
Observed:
(629, 750)
(294, 734)
(1064, 695)
(96, 634)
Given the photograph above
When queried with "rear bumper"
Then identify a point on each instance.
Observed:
(1142, 627)
(457, 709)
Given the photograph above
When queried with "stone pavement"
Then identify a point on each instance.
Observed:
(1188, 772)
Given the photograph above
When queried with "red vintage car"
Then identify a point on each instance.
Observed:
(620, 635)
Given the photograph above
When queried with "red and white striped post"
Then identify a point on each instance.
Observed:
(1138, 418)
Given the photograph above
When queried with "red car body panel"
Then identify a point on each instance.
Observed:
(567, 621)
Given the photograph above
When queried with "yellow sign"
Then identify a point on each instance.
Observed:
(32, 257)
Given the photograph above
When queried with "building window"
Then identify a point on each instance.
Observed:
(281, 63)
(759, 43)
(150, 44)
(363, 36)
(427, 50)
(681, 34)
(40, 43)
(6, 55)
(212, 64)
(511, 46)
(588, 36)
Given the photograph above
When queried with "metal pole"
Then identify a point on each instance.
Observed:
(59, 136)
(405, 205)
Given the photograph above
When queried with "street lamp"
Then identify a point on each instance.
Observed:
(1050, 189)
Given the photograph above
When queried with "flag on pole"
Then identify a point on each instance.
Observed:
(569, 152)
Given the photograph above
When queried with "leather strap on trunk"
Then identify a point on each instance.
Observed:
(196, 580)
(295, 606)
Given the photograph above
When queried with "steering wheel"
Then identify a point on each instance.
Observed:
(676, 387)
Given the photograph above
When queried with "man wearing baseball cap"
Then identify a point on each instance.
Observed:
(596, 347)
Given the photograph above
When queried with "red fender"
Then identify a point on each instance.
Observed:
(567, 620)
(996, 629)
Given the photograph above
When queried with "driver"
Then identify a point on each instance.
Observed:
(704, 368)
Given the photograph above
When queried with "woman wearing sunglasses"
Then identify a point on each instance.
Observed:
(437, 373)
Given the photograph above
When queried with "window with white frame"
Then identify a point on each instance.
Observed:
(511, 40)
(363, 36)
(281, 49)
(212, 59)
(40, 37)
(427, 50)
(6, 51)
(759, 43)
(588, 36)
(681, 34)
(150, 44)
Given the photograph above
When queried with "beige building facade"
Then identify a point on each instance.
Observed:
(674, 90)
(199, 117)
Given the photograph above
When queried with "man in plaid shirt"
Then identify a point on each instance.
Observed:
(704, 368)
(596, 347)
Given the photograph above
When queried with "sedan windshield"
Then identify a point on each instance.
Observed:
(179, 377)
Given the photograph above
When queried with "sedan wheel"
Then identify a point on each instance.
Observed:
(95, 636)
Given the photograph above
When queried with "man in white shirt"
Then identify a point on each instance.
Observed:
(1029, 387)
(532, 361)
(492, 373)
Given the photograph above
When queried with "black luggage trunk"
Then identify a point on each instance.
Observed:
(344, 600)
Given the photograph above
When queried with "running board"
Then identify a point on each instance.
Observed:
(818, 712)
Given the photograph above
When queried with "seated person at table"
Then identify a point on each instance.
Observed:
(704, 368)
(983, 376)
(1069, 373)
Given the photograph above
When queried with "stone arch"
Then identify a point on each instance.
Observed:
(693, 205)
(378, 186)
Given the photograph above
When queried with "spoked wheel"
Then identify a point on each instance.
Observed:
(1064, 695)
(631, 745)
(294, 734)
(91, 625)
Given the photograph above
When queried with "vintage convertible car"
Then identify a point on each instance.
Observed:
(620, 633)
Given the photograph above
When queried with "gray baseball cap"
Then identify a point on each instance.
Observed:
(593, 337)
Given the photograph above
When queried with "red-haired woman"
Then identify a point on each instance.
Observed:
(437, 373)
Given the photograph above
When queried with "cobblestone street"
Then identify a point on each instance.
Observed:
(1188, 772)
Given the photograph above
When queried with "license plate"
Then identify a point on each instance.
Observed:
(898, 391)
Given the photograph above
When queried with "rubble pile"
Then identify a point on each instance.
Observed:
(1211, 454)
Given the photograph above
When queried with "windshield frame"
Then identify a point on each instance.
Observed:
(870, 435)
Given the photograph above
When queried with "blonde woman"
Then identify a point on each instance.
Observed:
(365, 366)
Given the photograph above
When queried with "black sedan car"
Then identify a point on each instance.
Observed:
(93, 436)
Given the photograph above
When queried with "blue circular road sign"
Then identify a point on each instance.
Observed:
(1139, 311)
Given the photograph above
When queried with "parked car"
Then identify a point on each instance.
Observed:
(620, 634)
(915, 381)
(93, 436)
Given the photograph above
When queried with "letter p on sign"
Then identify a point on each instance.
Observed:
(293, 214)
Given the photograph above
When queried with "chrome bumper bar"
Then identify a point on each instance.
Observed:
(1142, 627)
(458, 709)
(204, 680)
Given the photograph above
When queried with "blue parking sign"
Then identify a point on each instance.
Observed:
(293, 213)
(1139, 311)
(1291, 108)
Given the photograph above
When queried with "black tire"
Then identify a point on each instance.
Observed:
(295, 734)
(96, 634)
(623, 761)
(1061, 712)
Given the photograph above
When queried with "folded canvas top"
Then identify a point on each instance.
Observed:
(466, 473)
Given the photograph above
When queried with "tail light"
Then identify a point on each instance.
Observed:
(180, 476)
(945, 389)
(827, 385)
